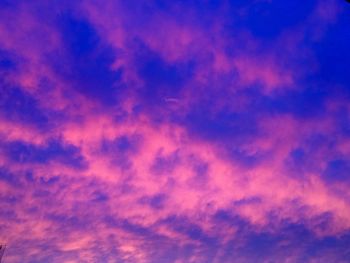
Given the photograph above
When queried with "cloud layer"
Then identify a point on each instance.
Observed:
(172, 131)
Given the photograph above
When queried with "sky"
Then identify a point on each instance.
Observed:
(158, 131)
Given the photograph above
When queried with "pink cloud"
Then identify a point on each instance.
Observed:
(159, 185)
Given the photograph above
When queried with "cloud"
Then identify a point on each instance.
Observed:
(169, 132)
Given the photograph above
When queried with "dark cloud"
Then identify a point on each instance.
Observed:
(21, 152)
(18, 106)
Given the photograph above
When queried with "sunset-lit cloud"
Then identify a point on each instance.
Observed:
(171, 131)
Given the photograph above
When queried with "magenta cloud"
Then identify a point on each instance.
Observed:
(172, 131)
